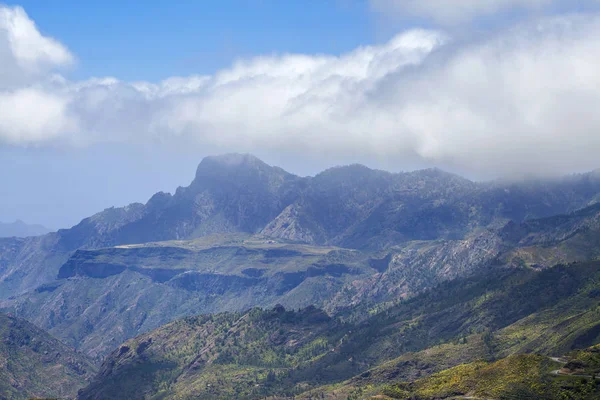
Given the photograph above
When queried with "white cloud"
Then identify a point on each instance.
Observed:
(523, 101)
(24, 52)
(29, 113)
(266, 101)
(453, 12)
(31, 116)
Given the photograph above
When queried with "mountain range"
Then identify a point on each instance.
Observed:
(308, 354)
(21, 229)
(305, 284)
(350, 207)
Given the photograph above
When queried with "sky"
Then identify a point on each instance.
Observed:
(105, 103)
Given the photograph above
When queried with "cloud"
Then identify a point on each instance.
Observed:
(454, 11)
(31, 116)
(29, 113)
(25, 53)
(523, 101)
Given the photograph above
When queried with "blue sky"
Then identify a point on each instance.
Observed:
(105, 103)
(155, 39)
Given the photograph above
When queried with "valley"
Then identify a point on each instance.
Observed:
(255, 283)
(300, 200)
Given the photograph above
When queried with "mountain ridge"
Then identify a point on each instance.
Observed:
(430, 225)
(365, 246)
(21, 229)
(281, 353)
(34, 364)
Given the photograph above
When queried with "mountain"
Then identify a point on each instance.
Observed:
(552, 240)
(533, 243)
(396, 275)
(246, 234)
(351, 207)
(230, 193)
(523, 376)
(105, 296)
(34, 364)
(519, 376)
(284, 353)
(262, 343)
(21, 229)
(109, 295)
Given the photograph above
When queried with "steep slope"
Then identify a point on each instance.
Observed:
(524, 376)
(409, 268)
(33, 364)
(357, 207)
(557, 239)
(333, 201)
(220, 357)
(231, 193)
(481, 318)
(351, 207)
(432, 204)
(109, 295)
(26, 263)
(534, 243)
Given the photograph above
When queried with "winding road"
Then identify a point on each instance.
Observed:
(564, 361)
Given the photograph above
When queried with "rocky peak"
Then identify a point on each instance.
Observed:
(230, 164)
(159, 200)
(349, 173)
(238, 170)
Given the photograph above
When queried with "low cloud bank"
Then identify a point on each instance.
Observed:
(523, 101)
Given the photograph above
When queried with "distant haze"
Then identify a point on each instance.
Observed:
(21, 229)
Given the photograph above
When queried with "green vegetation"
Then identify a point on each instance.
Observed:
(429, 291)
(523, 376)
(584, 362)
(471, 322)
(109, 295)
(222, 356)
(128, 290)
(33, 364)
(237, 255)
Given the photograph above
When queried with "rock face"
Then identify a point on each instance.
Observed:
(368, 235)
(233, 193)
(35, 365)
(106, 296)
(352, 207)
